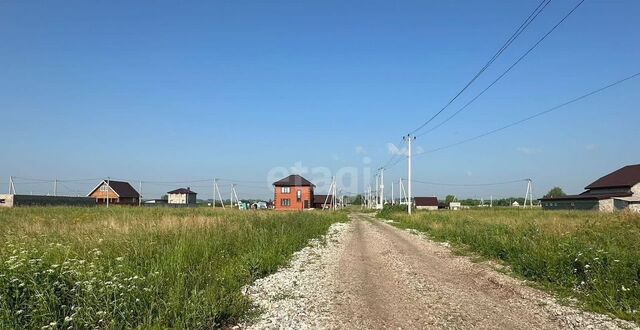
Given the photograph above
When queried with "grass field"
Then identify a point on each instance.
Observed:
(134, 267)
(587, 255)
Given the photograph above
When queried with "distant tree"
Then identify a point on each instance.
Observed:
(357, 200)
(164, 197)
(555, 192)
(449, 199)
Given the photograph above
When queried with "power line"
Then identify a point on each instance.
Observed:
(534, 115)
(532, 16)
(506, 71)
(470, 184)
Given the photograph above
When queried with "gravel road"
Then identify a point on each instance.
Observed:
(371, 275)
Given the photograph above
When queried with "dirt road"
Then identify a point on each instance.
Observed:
(390, 278)
(371, 275)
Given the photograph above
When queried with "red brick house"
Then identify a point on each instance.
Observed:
(293, 193)
(118, 192)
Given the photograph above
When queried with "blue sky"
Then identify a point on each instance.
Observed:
(169, 91)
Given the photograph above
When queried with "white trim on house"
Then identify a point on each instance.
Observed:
(98, 186)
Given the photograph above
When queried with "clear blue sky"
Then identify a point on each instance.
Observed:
(233, 89)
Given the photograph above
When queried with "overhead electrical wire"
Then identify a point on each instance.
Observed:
(532, 16)
(470, 184)
(557, 107)
(505, 72)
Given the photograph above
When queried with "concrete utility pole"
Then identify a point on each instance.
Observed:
(392, 199)
(140, 194)
(235, 193)
(335, 193)
(529, 194)
(55, 187)
(217, 188)
(409, 138)
(108, 188)
(12, 187)
(382, 187)
(213, 187)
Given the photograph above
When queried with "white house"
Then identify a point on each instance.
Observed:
(184, 196)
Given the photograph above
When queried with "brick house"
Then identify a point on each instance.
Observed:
(293, 193)
(118, 192)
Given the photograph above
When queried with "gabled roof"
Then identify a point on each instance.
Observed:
(320, 199)
(426, 201)
(293, 180)
(182, 191)
(121, 188)
(624, 177)
(585, 196)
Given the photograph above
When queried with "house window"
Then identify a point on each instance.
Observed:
(286, 190)
(2, 201)
(285, 202)
(103, 188)
(299, 195)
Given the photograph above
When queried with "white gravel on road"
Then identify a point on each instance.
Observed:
(297, 297)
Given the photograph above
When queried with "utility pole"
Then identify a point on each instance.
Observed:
(392, 199)
(140, 197)
(213, 187)
(231, 194)
(491, 202)
(217, 188)
(55, 187)
(409, 138)
(382, 187)
(235, 193)
(335, 193)
(12, 187)
(529, 194)
(108, 188)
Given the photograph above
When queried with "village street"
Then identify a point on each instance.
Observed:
(371, 275)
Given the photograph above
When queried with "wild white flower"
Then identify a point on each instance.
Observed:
(616, 260)
(586, 266)
(19, 312)
(53, 324)
(119, 258)
(624, 289)
(68, 319)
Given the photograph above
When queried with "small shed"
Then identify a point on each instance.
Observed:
(182, 196)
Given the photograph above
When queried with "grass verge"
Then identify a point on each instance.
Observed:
(64, 268)
(590, 256)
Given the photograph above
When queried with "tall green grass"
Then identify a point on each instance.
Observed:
(591, 256)
(119, 268)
